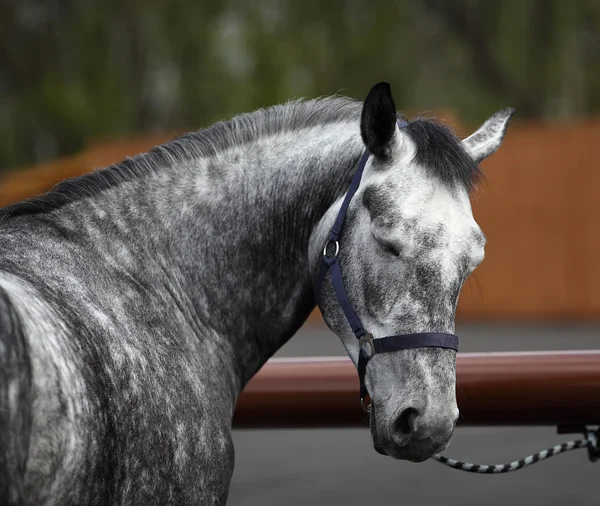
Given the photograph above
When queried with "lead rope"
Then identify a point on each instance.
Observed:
(589, 441)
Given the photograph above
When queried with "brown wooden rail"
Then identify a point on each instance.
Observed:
(494, 389)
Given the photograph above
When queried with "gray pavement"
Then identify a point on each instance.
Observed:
(339, 466)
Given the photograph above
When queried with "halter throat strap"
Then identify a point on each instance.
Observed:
(369, 346)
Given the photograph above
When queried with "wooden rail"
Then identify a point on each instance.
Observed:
(494, 389)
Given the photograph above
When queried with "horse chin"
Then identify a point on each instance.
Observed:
(373, 426)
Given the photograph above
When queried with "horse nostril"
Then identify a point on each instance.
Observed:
(405, 423)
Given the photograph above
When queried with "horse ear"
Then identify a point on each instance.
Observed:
(378, 120)
(487, 139)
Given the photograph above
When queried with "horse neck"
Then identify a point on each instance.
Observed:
(235, 229)
(253, 263)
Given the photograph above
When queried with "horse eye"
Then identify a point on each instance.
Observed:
(387, 247)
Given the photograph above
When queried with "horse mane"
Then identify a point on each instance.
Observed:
(437, 148)
(204, 143)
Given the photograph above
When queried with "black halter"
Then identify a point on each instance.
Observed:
(368, 345)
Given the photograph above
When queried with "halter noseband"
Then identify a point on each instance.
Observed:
(369, 346)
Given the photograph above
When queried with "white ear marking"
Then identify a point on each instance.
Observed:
(487, 139)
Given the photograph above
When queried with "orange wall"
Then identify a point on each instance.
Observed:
(539, 210)
(538, 206)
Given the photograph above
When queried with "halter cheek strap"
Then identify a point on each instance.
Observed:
(369, 346)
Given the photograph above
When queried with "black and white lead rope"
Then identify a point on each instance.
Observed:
(589, 441)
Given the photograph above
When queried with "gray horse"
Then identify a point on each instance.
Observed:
(138, 301)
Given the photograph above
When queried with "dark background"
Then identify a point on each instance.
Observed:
(75, 69)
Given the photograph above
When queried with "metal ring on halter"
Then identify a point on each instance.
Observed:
(366, 409)
(337, 248)
(367, 338)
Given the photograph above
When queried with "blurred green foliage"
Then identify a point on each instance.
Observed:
(75, 69)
